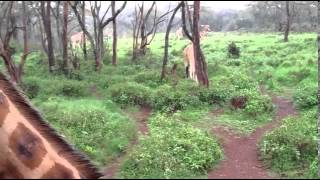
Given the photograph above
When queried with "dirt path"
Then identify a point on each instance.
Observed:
(141, 118)
(241, 153)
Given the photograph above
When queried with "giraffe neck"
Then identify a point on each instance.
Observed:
(27, 150)
(30, 148)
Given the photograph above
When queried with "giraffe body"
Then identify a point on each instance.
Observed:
(30, 148)
(188, 52)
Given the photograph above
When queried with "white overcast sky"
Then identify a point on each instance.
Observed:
(215, 5)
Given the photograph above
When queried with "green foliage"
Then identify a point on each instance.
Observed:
(130, 93)
(256, 104)
(305, 95)
(239, 80)
(216, 94)
(314, 169)
(151, 79)
(167, 99)
(233, 50)
(74, 89)
(291, 148)
(173, 150)
(31, 87)
(96, 128)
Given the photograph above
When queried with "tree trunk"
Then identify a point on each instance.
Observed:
(47, 25)
(318, 86)
(11, 68)
(84, 48)
(201, 66)
(65, 38)
(5, 52)
(286, 33)
(114, 34)
(59, 40)
(25, 43)
(166, 43)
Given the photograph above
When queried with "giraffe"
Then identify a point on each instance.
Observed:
(189, 61)
(29, 147)
(77, 39)
(179, 33)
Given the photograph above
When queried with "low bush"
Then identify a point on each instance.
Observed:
(74, 89)
(233, 50)
(173, 150)
(130, 93)
(167, 99)
(255, 103)
(151, 78)
(31, 87)
(96, 128)
(305, 96)
(293, 146)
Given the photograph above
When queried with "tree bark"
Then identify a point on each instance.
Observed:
(286, 33)
(14, 71)
(84, 48)
(318, 28)
(47, 26)
(59, 40)
(166, 43)
(25, 43)
(65, 38)
(201, 66)
(115, 38)
(99, 24)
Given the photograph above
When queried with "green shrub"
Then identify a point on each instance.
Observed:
(74, 89)
(314, 169)
(96, 128)
(239, 80)
(233, 50)
(274, 62)
(173, 150)
(149, 78)
(216, 94)
(305, 96)
(167, 99)
(130, 93)
(31, 87)
(292, 146)
(256, 103)
(233, 62)
(63, 87)
(300, 74)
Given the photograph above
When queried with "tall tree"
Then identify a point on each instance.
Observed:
(318, 29)
(114, 30)
(65, 37)
(96, 39)
(166, 42)
(201, 66)
(45, 13)
(143, 31)
(84, 47)
(288, 22)
(15, 71)
(200, 63)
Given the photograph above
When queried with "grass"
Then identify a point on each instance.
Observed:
(99, 127)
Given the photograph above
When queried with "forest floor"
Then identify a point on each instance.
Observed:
(141, 118)
(241, 152)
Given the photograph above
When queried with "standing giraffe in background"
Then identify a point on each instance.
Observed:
(205, 30)
(179, 33)
(30, 148)
(188, 54)
(77, 39)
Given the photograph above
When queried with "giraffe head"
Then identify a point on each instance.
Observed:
(30, 148)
